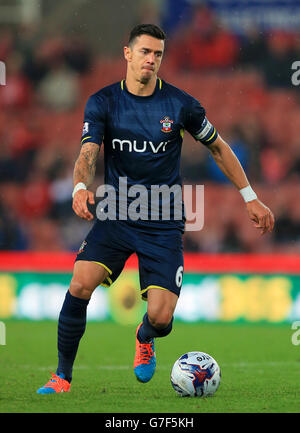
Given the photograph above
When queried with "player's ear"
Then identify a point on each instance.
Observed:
(127, 53)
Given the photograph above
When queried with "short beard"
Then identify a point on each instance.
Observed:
(145, 80)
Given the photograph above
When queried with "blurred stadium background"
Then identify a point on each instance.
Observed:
(234, 56)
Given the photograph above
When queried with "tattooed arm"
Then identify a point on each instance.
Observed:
(84, 171)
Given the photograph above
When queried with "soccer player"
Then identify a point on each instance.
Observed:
(140, 120)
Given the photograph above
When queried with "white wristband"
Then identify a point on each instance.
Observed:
(78, 186)
(248, 193)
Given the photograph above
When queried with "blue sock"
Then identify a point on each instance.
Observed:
(71, 327)
(148, 331)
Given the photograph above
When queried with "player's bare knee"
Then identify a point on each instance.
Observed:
(161, 306)
(160, 314)
(80, 290)
(160, 320)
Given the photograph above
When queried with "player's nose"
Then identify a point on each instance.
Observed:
(151, 58)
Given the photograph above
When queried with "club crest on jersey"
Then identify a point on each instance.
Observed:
(166, 124)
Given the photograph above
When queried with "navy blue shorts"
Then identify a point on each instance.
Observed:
(159, 252)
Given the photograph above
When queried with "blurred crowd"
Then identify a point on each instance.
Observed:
(244, 82)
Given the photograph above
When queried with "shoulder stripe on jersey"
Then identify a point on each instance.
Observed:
(85, 138)
(122, 84)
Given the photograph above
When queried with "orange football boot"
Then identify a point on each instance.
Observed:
(56, 384)
(145, 359)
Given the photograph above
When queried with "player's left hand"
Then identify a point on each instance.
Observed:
(261, 216)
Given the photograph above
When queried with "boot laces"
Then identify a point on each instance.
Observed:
(146, 352)
(56, 380)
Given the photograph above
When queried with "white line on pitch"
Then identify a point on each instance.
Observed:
(167, 367)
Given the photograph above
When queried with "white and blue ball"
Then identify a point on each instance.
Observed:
(195, 374)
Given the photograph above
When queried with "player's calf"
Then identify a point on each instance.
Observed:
(153, 329)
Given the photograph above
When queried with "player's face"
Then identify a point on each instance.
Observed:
(144, 57)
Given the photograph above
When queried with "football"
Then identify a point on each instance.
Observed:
(195, 374)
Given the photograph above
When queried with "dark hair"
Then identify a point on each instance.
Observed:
(146, 29)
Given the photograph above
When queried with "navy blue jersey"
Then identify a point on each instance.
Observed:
(142, 138)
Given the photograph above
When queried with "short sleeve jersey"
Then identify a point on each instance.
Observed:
(142, 137)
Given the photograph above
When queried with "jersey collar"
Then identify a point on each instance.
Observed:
(157, 88)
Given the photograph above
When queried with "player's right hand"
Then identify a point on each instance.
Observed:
(80, 200)
(261, 216)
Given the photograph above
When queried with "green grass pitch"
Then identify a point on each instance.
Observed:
(260, 370)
